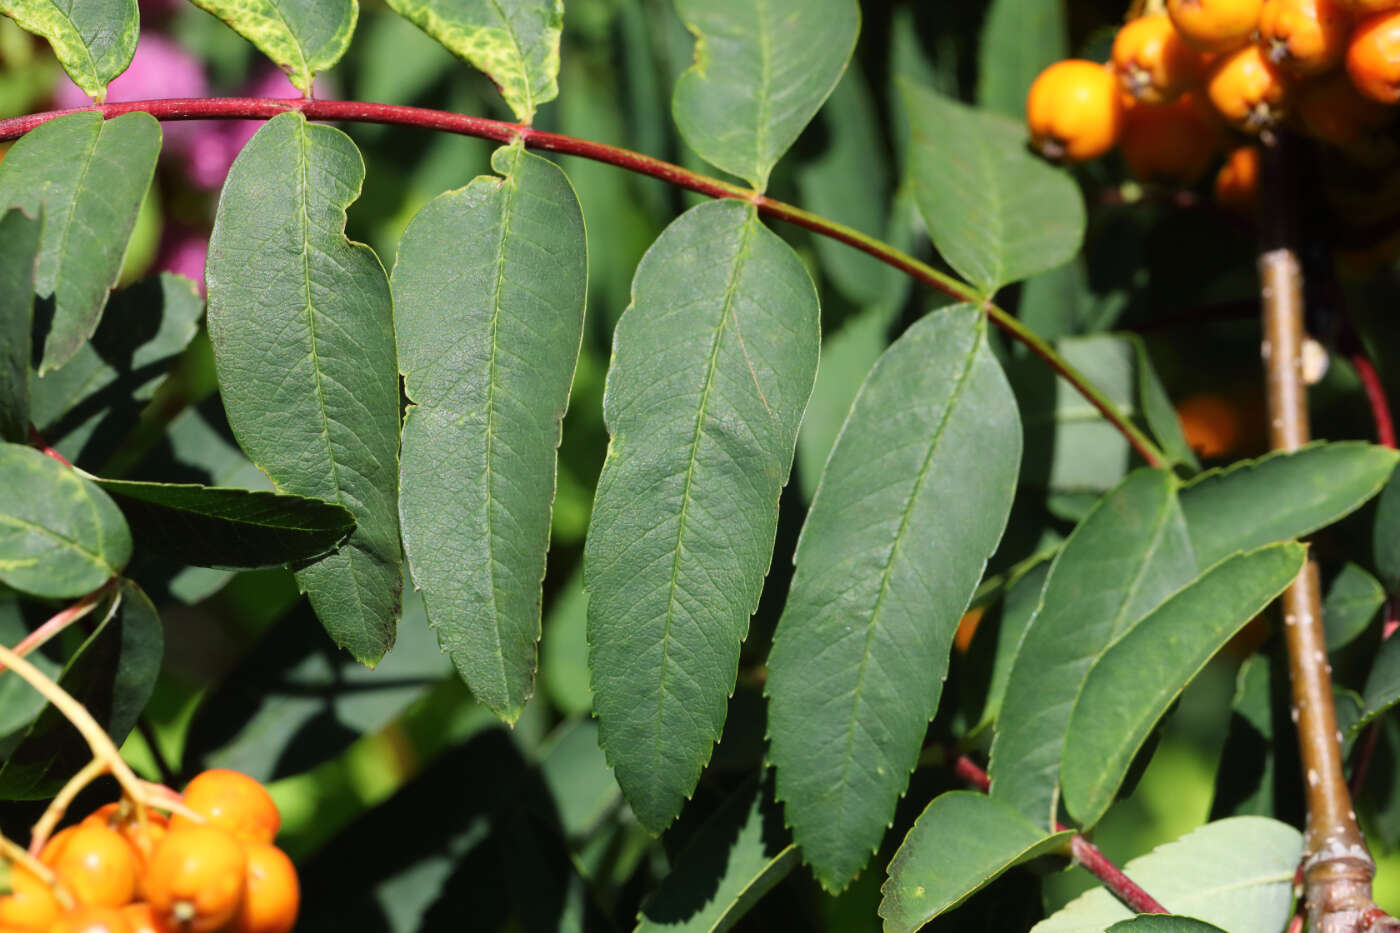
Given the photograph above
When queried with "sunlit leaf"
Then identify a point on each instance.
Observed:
(302, 37)
(94, 40)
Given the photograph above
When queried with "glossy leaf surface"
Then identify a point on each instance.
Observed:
(300, 321)
(761, 72)
(88, 176)
(1133, 682)
(713, 364)
(488, 309)
(921, 477)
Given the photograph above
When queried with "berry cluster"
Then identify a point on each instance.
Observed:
(1180, 79)
(209, 865)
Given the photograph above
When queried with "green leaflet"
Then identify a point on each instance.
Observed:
(762, 70)
(1019, 38)
(928, 876)
(489, 293)
(88, 175)
(995, 212)
(732, 861)
(713, 364)
(1132, 683)
(1163, 923)
(515, 43)
(19, 702)
(301, 324)
(301, 36)
(206, 526)
(1126, 556)
(1385, 536)
(1281, 496)
(1235, 873)
(60, 536)
(19, 243)
(1352, 602)
(1382, 683)
(87, 406)
(93, 40)
(1245, 782)
(921, 477)
(112, 674)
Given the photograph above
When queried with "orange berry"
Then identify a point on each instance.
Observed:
(273, 894)
(92, 920)
(232, 801)
(1305, 36)
(1171, 143)
(122, 819)
(30, 905)
(98, 866)
(1212, 425)
(1074, 111)
(967, 629)
(141, 918)
(1152, 62)
(56, 844)
(1373, 57)
(1334, 111)
(1215, 25)
(1248, 90)
(195, 879)
(1237, 184)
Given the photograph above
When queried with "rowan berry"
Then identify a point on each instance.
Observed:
(1211, 424)
(1373, 57)
(1215, 25)
(92, 920)
(1171, 143)
(1249, 91)
(30, 905)
(1334, 111)
(1152, 62)
(97, 865)
(195, 879)
(1237, 184)
(232, 801)
(273, 894)
(1305, 36)
(1074, 110)
(141, 918)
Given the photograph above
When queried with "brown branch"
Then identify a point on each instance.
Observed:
(1337, 868)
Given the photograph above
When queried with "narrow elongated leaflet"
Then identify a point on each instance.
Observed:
(762, 70)
(921, 478)
(112, 674)
(301, 325)
(19, 243)
(302, 37)
(997, 213)
(60, 536)
(1235, 873)
(713, 364)
(1132, 683)
(205, 526)
(928, 877)
(733, 860)
(489, 292)
(93, 40)
(88, 175)
(1126, 556)
(1281, 495)
(515, 43)
(88, 406)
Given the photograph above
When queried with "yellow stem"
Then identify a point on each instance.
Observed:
(45, 825)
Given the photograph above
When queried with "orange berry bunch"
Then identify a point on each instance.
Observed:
(114, 873)
(1179, 80)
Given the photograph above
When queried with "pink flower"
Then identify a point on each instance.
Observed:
(160, 68)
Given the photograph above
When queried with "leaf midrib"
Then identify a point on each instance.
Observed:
(519, 54)
(730, 291)
(887, 570)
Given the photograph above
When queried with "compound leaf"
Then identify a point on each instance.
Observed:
(488, 308)
(300, 320)
(88, 176)
(921, 477)
(762, 70)
(713, 364)
(515, 43)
